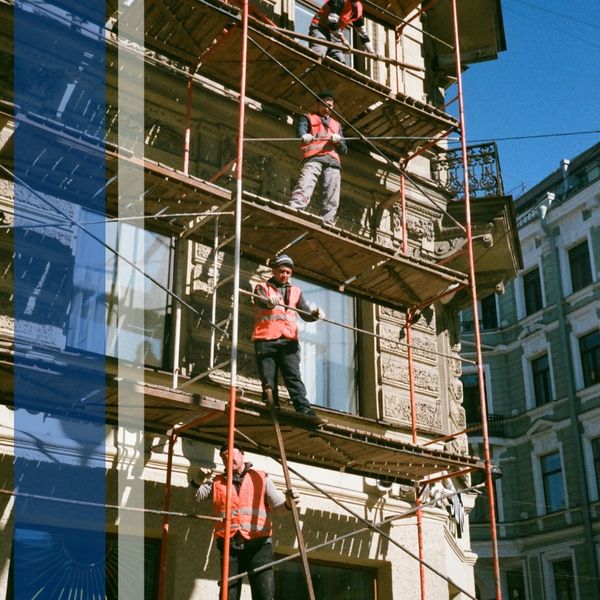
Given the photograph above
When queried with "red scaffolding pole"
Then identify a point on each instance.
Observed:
(473, 287)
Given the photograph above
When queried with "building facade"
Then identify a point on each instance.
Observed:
(542, 352)
(113, 333)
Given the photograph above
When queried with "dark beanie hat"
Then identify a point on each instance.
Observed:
(281, 260)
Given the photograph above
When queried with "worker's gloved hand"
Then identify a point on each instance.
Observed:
(273, 301)
(307, 138)
(336, 138)
(318, 313)
(292, 497)
(200, 476)
(369, 48)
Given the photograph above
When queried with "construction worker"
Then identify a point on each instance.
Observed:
(322, 143)
(275, 334)
(331, 20)
(253, 499)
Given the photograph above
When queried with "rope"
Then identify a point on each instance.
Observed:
(152, 511)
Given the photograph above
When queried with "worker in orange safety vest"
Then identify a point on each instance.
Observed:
(253, 499)
(275, 334)
(322, 143)
(330, 22)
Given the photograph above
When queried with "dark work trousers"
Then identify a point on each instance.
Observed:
(249, 557)
(282, 355)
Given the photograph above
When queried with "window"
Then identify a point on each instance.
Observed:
(532, 288)
(472, 406)
(564, 580)
(515, 585)
(55, 562)
(329, 581)
(489, 315)
(589, 350)
(328, 364)
(554, 491)
(540, 372)
(580, 266)
(99, 289)
(596, 456)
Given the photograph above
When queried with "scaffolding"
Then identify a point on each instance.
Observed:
(398, 130)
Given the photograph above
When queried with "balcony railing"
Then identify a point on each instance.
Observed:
(485, 179)
(495, 425)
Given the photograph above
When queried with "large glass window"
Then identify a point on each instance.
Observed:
(564, 580)
(328, 351)
(100, 292)
(329, 581)
(532, 288)
(554, 490)
(589, 349)
(540, 372)
(580, 266)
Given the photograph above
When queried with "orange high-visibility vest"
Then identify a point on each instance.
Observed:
(274, 323)
(322, 144)
(349, 15)
(249, 514)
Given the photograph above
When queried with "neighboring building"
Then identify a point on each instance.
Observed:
(542, 366)
(100, 358)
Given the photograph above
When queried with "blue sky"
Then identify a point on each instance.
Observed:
(547, 81)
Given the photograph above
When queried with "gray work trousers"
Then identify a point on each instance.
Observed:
(323, 34)
(330, 188)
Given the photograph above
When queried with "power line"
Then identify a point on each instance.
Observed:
(558, 14)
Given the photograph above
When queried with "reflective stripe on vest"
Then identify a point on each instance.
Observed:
(321, 144)
(274, 323)
(249, 514)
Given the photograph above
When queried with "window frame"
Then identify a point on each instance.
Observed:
(580, 270)
(548, 381)
(590, 357)
(550, 504)
(532, 302)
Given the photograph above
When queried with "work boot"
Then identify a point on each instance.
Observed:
(311, 416)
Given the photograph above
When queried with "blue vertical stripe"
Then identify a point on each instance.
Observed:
(59, 547)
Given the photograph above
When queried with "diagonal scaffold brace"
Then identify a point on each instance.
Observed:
(288, 489)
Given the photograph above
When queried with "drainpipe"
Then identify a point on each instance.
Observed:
(572, 396)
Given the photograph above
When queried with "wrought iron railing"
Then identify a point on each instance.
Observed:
(495, 425)
(485, 178)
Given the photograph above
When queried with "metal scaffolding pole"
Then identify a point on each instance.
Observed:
(473, 287)
(236, 302)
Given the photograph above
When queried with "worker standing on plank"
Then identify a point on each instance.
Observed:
(254, 498)
(275, 334)
(330, 22)
(322, 143)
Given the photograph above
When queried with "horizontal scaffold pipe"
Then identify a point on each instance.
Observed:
(359, 330)
(348, 139)
(347, 48)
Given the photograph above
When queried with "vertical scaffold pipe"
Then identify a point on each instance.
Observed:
(403, 206)
(413, 418)
(187, 135)
(236, 300)
(471, 261)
